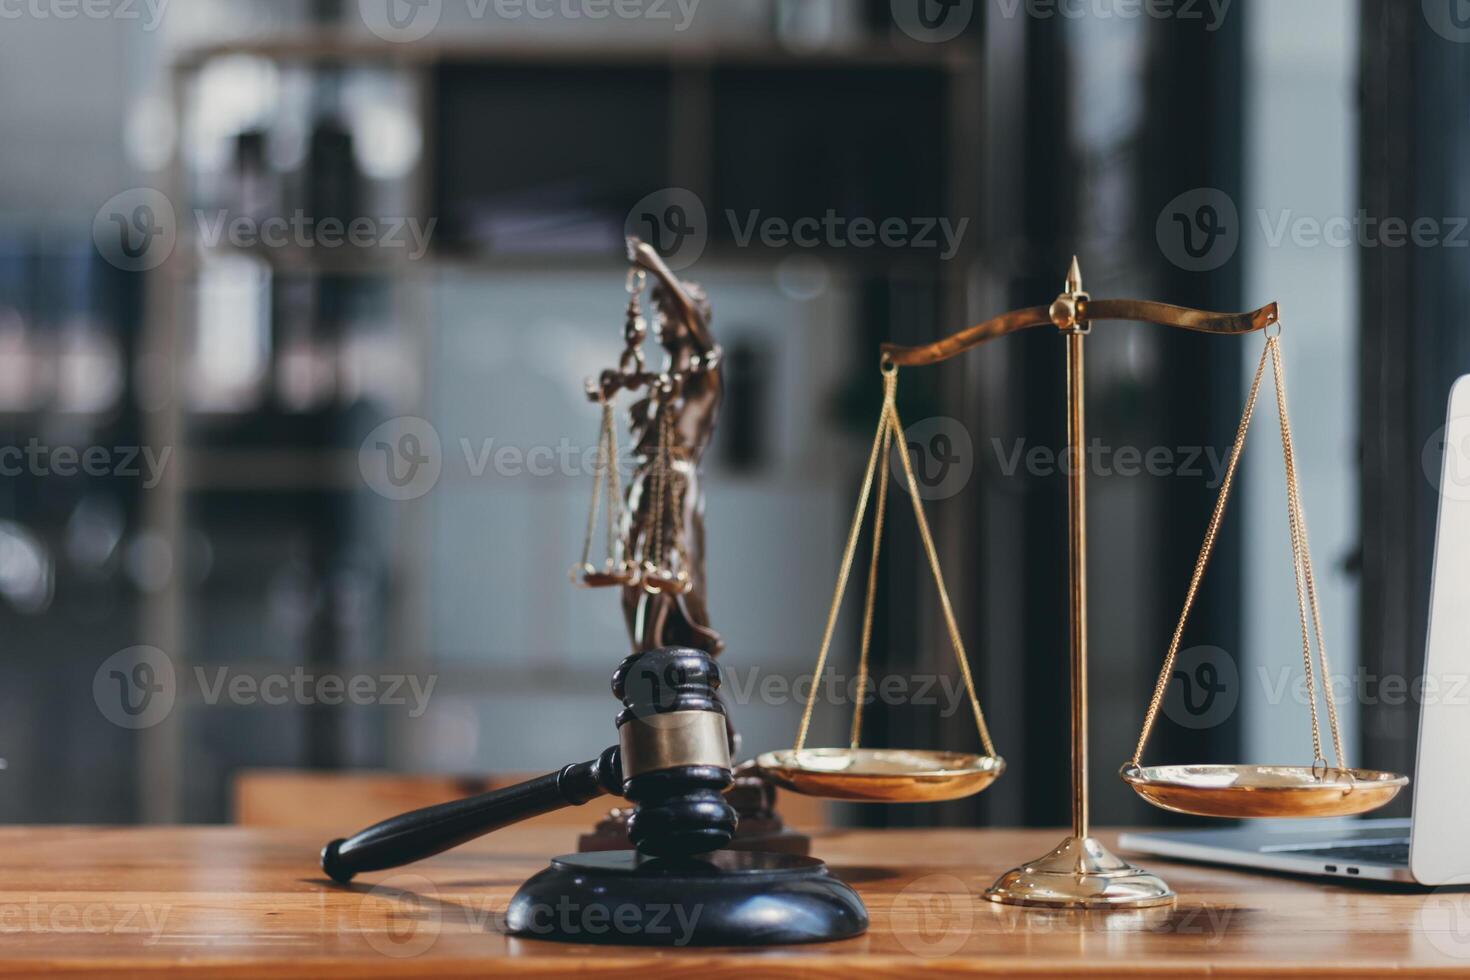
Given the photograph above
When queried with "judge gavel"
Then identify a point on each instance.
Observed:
(672, 760)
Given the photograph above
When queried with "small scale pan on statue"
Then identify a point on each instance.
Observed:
(1318, 790)
(883, 775)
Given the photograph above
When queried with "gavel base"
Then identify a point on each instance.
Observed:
(728, 898)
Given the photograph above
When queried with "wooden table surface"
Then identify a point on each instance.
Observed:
(222, 901)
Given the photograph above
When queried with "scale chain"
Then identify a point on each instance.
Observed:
(890, 427)
(614, 485)
(1301, 567)
(870, 599)
(1206, 550)
(597, 487)
(1302, 560)
(944, 603)
(845, 567)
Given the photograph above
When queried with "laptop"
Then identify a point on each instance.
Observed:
(1431, 848)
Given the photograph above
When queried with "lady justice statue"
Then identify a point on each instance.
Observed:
(656, 547)
(672, 426)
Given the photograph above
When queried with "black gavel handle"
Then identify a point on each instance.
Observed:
(423, 833)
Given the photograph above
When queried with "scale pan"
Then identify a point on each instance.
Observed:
(881, 775)
(602, 580)
(1263, 791)
(592, 577)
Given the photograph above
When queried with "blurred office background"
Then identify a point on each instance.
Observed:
(232, 385)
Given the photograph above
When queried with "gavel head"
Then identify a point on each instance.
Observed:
(675, 747)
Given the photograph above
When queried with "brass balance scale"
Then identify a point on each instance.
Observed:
(1080, 873)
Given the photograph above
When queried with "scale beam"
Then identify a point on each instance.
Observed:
(1086, 311)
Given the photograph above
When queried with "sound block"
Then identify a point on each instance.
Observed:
(726, 898)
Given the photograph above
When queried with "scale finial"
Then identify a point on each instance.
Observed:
(1065, 311)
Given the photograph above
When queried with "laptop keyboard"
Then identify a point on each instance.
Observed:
(1379, 852)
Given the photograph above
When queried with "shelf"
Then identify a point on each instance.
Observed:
(336, 47)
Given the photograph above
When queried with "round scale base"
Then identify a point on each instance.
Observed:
(1080, 874)
(727, 898)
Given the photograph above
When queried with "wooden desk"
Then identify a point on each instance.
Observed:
(244, 903)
